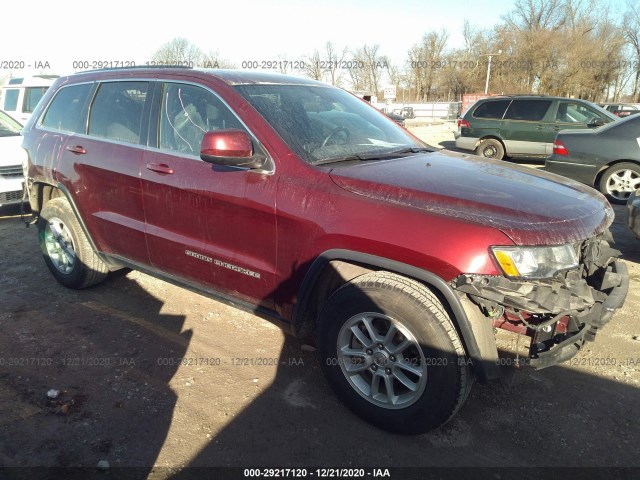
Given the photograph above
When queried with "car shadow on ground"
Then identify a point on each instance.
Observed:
(13, 211)
(558, 416)
(541, 418)
(84, 374)
(624, 239)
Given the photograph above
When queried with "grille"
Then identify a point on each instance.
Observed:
(11, 196)
(12, 171)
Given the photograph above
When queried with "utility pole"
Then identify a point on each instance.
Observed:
(486, 85)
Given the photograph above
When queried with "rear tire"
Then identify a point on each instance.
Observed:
(391, 353)
(619, 181)
(490, 148)
(65, 248)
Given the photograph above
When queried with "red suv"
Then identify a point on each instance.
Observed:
(304, 204)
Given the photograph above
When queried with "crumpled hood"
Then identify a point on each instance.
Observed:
(530, 206)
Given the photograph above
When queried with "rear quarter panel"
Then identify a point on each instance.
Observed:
(482, 127)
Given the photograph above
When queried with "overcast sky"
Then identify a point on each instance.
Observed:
(124, 30)
(116, 30)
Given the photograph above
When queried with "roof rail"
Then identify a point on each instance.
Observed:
(135, 67)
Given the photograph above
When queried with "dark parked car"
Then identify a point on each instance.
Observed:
(607, 158)
(298, 201)
(407, 112)
(523, 125)
(622, 109)
(633, 210)
(399, 119)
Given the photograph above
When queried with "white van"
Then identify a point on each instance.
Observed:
(12, 156)
(21, 95)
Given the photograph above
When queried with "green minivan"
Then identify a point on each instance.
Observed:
(524, 125)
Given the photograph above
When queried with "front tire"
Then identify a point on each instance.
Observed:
(619, 181)
(65, 248)
(391, 353)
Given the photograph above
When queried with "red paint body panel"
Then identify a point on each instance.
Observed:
(225, 214)
(439, 212)
(313, 208)
(532, 207)
(108, 195)
(228, 143)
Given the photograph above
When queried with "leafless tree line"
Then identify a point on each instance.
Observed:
(573, 48)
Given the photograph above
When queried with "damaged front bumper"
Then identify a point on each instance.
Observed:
(558, 314)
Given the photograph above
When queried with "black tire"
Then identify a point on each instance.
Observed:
(65, 248)
(490, 148)
(619, 181)
(421, 320)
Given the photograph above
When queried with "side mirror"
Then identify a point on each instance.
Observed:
(232, 148)
(595, 122)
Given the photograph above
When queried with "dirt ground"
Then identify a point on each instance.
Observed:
(155, 377)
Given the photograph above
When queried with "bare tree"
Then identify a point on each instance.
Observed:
(213, 60)
(535, 15)
(357, 72)
(394, 74)
(285, 66)
(631, 32)
(426, 60)
(561, 47)
(179, 51)
(334, 62)
(367, 66)
(313, 66)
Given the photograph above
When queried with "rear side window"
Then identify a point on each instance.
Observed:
(32, 96)
(11, 99)
(65, 110)
(531, 110)
(491, 109)
(116, 112)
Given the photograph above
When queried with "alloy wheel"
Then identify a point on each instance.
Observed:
(382, 360)
(621, 183)
(59, 245)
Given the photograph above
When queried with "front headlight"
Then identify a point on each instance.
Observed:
(535, 262)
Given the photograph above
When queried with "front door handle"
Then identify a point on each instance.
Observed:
(160, 168)
(77, 149)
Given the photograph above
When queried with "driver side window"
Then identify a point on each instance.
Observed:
(573, 112)
(187, 113)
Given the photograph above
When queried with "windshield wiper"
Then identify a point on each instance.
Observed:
(373, 156)
(346, 158)
(412, 150)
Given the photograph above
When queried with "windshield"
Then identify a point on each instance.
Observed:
(322, 124)
(8, 126)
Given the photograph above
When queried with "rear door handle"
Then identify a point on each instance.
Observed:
(77, 149)
(160, 168)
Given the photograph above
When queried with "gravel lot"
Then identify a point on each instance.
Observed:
(152, 376)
